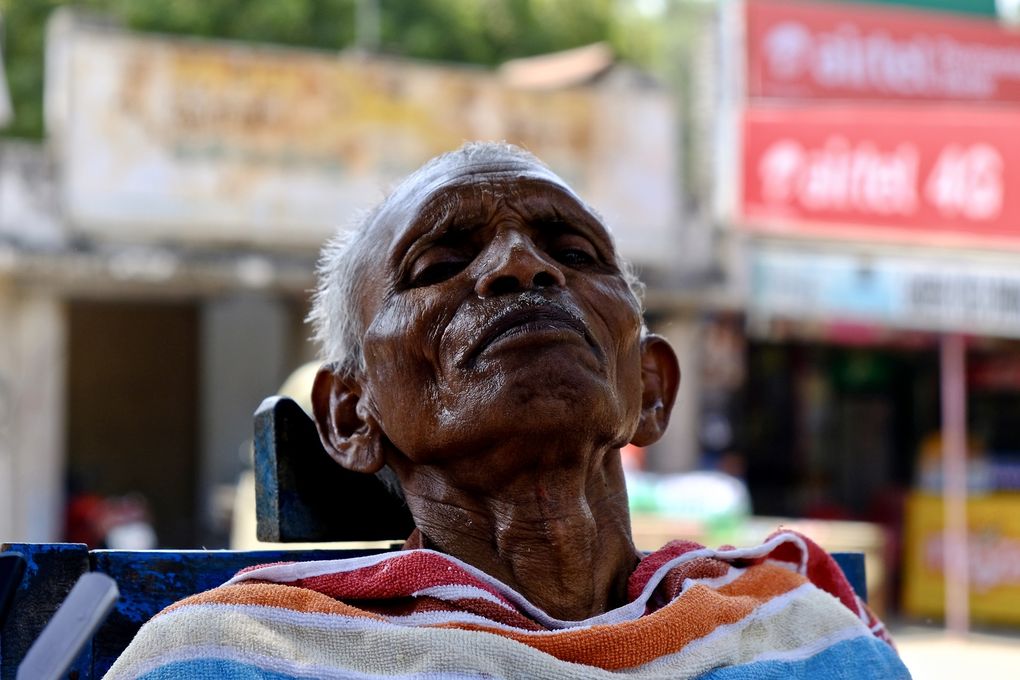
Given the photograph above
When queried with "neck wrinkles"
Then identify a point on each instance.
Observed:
(562, 539)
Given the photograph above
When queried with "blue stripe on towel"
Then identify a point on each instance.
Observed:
(872, 659)
(199, 669)
(227, 669)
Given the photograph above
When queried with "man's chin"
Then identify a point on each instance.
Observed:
(551, 396)
(560, 361)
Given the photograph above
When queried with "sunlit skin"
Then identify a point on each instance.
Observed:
(505, 366)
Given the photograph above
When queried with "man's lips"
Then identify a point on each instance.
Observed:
(548, 316)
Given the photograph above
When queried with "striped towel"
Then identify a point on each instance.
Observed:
(779, 610)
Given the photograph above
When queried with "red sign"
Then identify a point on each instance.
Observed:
(832, 50)
(944, 174)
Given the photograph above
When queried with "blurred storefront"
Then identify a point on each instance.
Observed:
(120, 363)
(873, 149)
(156, 254)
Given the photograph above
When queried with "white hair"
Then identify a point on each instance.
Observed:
(344, 261)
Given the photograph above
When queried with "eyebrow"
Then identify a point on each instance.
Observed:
(427, 226)
(444, 208)
(577, 218)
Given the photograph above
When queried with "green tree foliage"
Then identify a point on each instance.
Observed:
(490, 31)
(483, 32)
(314, 23)
(23, 38)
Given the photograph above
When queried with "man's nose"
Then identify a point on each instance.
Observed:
(512, 263)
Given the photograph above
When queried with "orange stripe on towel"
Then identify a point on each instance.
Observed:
(696, 613)
(274, 595)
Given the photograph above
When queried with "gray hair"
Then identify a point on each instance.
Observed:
(343, 264)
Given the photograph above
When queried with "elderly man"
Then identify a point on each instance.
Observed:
(484, 346)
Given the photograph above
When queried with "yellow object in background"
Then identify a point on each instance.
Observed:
(993, 553)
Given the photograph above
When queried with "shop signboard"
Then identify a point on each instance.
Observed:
(941, 177)
(993, 552)
(928, 294)
(836, 50)
(206, 141)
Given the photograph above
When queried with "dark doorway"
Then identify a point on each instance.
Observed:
(133, 408)
(831, 431)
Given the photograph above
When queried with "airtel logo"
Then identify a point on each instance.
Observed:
(788, 49)
(966, 180)
(878, 60)
(841, 175)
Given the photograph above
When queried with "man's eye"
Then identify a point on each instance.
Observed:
(438, 272)
(574, 257)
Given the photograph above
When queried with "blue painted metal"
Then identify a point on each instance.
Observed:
(267, 488)
(51, 570)
(71, 629)
(12, 566)
(852, 564)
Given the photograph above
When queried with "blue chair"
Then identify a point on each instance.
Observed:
(301, 496)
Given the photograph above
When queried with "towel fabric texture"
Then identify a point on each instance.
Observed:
(779, 610)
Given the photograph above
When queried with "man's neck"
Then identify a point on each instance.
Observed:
(561, 539)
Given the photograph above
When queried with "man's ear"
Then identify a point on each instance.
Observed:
(351, 436)
(660, 379)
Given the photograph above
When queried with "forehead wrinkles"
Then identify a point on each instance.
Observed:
(508, 170)
(421, 186)
(466, 205)
(475, 203)
(419, 191)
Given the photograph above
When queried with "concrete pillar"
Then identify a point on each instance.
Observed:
(244, 350)
(32, 415)
(7, 420)
(678, 450)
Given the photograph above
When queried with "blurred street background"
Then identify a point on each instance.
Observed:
(822, 198)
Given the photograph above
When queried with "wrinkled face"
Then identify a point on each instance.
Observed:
(496, 308)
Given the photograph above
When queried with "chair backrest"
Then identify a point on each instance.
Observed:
(302, 495)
